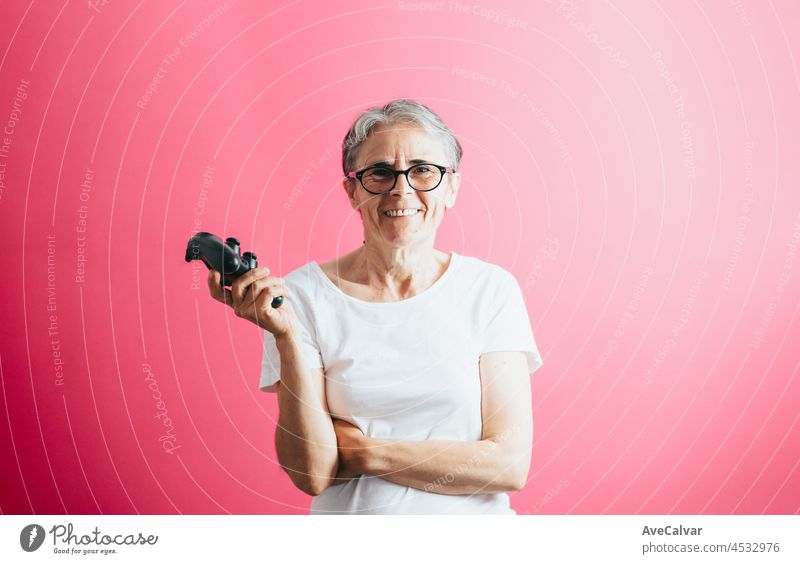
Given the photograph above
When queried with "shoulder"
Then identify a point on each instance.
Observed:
(304, 289)
(485, 288)
(480, 271)
(303, 280)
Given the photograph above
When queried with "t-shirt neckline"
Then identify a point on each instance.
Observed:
(454, 261)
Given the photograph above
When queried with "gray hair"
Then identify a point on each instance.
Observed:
(398, 111)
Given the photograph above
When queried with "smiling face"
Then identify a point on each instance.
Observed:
(396, 146)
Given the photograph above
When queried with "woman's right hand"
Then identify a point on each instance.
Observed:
(251, 298)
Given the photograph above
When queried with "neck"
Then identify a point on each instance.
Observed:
(399, 271)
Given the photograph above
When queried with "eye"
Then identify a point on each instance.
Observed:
(379, 173)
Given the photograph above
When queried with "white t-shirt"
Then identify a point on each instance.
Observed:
(407, 370)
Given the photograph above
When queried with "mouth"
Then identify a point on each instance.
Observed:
(402, 212)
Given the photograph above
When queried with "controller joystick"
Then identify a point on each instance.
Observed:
(233, 243)
(224, 257)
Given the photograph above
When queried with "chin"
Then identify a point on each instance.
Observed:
(400, 241)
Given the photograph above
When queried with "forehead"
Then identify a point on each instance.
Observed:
(403, 139)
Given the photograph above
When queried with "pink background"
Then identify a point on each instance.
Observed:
(634, 164)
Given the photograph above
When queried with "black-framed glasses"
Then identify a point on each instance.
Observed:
(381, 179)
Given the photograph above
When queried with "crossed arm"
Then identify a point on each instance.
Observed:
(316, 452)
(499, 462)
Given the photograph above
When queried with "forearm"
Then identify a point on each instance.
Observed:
(447, 467)
(305, 440)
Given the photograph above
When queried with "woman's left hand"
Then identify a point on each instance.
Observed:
(353, 450)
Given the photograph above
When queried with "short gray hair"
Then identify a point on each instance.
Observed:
(398, 111)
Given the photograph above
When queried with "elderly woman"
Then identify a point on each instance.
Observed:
(402, 371)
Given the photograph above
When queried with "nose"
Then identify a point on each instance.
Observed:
(402, 186)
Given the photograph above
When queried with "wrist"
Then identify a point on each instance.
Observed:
(286, 341)
(369, 457)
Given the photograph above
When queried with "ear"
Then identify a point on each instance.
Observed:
(349, 188)
(452, 192)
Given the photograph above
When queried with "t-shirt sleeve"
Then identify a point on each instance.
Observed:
(508, 327)
(271, 363)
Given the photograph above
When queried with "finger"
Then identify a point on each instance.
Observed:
(266, 282)
(248, 299)
(213, 285)
(251, 275)
(264, 309)
(259, 284)
(217, 292)
(251, 300)
(227, 298)
(264, 299)
(240, 285)
(269, 293)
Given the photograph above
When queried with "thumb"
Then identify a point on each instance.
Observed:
(217, 290)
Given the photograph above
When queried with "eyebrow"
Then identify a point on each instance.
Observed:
(386, 163)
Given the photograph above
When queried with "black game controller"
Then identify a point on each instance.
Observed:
(223, 257)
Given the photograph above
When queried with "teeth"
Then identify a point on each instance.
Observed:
(397, 213)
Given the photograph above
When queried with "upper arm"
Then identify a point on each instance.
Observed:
(305, 440)
(272, 388)
(506, 410)
(317, 380)
(318, 401)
